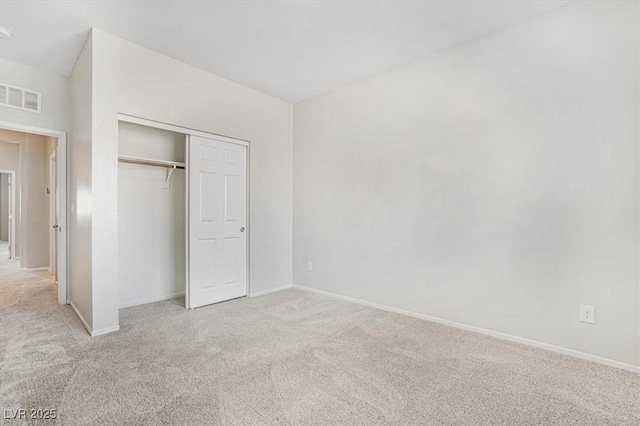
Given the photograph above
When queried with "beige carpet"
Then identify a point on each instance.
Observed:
(291, 358)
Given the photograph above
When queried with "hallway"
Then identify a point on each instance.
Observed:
(35, 334)
(24, 287)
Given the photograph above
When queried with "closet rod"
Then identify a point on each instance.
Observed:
(148, 162)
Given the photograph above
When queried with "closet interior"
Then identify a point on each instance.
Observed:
(151, 214)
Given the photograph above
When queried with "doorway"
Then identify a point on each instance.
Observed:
(37, 226)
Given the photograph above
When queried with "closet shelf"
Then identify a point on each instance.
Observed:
(150, 162)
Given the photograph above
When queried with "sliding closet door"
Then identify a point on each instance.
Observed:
(217, 221)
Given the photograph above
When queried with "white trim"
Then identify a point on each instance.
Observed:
(178, 129)
(269, 291)
(187, 230)
(152, 300)
(248, 218)
(638, 236)
(41, 268)
(80, 317)
(91, 332)
(105, 331)
(24, 128)
(497, 334)
(63, 265)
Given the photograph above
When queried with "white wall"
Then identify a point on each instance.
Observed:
(10, 160)
(151, 217)
(133, 80)
(80, 190)
(494, 184)
(55, 96)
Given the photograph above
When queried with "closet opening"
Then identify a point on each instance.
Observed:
(151, 215)
(183, 223)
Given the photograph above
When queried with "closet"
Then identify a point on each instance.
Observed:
(182, 215)
(151, 214)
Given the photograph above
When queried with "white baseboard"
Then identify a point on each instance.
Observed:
(269, 291)
(91, 332)
(43, 268)
(497, 334)
(105, 331)
(151, 300)
(84, 323)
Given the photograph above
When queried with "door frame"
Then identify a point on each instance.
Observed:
(63, 232)
(12, 212)
(193, 132)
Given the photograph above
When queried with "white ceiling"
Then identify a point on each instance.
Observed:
(290, 49)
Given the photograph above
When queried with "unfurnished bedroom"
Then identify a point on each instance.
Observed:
(320, 212)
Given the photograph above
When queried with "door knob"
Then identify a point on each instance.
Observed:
(242, 229)
(55, 226)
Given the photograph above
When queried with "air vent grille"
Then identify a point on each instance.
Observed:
(17, 97)
(31, 101)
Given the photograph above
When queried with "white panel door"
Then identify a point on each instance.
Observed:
(217, 203)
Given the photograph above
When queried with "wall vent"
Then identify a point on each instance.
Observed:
(19, 98)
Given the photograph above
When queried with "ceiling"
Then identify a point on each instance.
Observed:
(293, 50)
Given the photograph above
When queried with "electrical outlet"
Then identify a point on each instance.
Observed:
(588, 314)
(309, 265)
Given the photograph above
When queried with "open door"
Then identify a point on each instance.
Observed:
(7, 206)
(61, 218)
(53, 215)
(217, 221)
(12, 211)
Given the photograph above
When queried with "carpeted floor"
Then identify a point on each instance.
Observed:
(290, 358)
